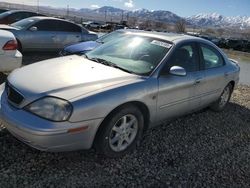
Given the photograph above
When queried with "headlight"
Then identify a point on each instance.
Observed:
(51, 108)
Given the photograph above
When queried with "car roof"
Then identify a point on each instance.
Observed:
(48, 18)
(171, 37)
(14, 11)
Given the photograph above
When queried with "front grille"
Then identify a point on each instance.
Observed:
(13, 95)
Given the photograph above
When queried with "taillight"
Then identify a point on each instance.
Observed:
(11, 45)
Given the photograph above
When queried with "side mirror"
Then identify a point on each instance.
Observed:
(178, 71)
(33, 29)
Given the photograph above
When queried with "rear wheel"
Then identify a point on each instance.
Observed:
(121, 132)
(222, 102)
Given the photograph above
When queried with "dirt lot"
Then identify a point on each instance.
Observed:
(202, 149)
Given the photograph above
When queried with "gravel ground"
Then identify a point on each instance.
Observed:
(202, 149)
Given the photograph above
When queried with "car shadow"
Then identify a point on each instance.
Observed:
(189, 149)
(33, 57)
(3, 77)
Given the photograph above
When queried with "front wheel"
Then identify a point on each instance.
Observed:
(121, 132)
(222, 102)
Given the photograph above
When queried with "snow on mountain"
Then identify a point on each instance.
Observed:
(202, 20)
(217, 20)
(159, 15)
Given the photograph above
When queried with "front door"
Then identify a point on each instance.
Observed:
(68, 33)
(44, 38)
(180, 94)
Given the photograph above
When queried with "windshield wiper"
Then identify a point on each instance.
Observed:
(92, 59)
(108, 63)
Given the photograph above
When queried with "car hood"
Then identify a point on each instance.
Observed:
(66, 77)
(81, 47)
(7, 27)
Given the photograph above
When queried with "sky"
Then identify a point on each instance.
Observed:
(180, 7)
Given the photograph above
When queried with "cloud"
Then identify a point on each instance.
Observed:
(95, 6)
(129, 4)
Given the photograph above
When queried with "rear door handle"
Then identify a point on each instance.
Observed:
(197, 81)
(77, 36)
(226, 74)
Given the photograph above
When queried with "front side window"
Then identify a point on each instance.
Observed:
(46, 25)
(211, 57)
(186, 57)
(133, 53)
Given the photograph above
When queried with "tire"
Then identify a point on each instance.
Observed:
(222, 102)
(121, 132)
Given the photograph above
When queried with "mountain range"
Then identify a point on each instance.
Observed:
(116, 14)
(199, 20)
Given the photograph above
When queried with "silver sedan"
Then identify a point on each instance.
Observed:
(110, 96)
(47, 33)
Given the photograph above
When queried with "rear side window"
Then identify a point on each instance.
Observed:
(67, 27)
(211, 57)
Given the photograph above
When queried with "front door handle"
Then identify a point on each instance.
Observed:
(226, 74)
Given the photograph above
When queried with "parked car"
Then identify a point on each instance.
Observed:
(94, 25)
(110, 96)
(223, 43)
(236, 44)
(12, 16)
(10, 57)
(47, 33)
(3, 10)
(83, 47)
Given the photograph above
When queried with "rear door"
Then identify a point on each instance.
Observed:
(68, 33)
(215, 73)
(180, 94)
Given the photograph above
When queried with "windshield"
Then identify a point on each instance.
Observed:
(110, 36)
(135, 54)
(23, 23)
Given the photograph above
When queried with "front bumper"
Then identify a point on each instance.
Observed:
(46, 135)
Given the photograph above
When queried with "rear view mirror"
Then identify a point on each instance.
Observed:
(178, 71)
(33, 29)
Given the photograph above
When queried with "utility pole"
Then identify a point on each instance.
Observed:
(37, 6)
(68, 11)
(122, 16)
(105, 15)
